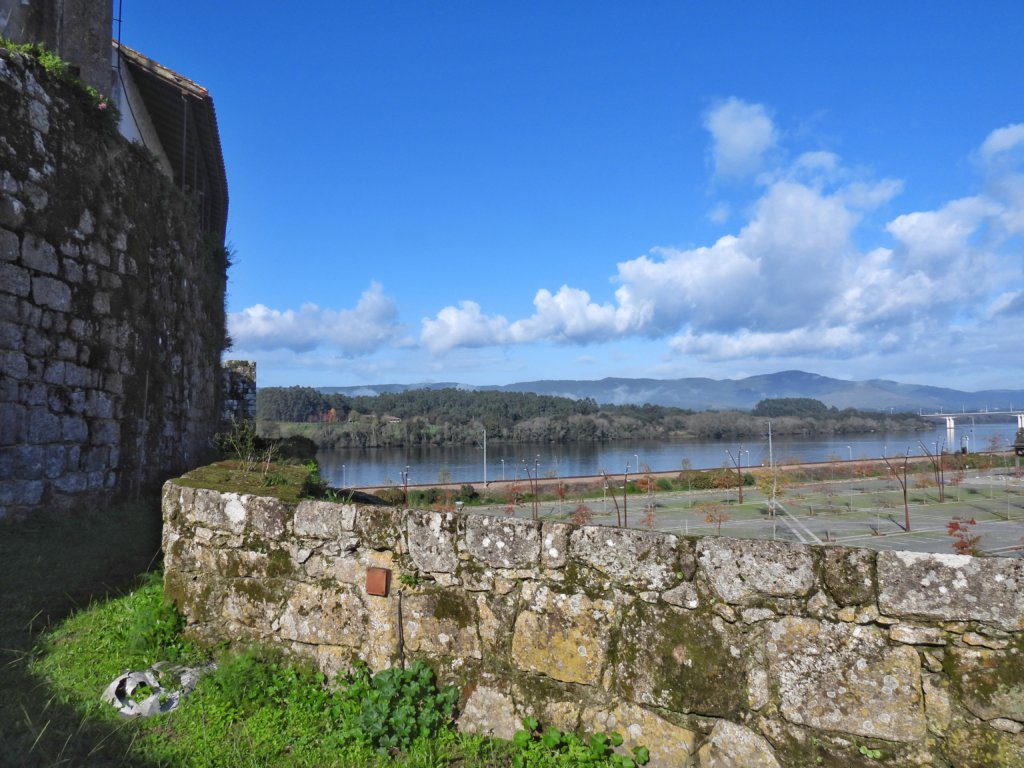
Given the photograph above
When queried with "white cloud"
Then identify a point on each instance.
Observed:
(369, 326)
(463, 326)
(931, 239)
(795, 281)
(719, 213)
(753, 344)
(1002, 140)
(741, 135)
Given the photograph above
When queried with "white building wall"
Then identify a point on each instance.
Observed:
(136, 124)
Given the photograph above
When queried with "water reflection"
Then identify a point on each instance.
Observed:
(362, 467)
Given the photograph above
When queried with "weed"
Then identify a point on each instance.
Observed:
(59, 69)
(411, 579)
(552, 748)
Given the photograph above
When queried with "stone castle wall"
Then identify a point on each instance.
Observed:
(111, 305)
(238, 385)
(712, 652)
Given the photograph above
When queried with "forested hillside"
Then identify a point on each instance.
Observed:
(454, 416)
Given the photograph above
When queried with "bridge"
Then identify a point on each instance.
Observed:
(952, 417)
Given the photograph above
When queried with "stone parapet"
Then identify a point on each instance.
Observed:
(712, 652)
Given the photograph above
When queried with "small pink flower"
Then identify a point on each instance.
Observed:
(102, 105)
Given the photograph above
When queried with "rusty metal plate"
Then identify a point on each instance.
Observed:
(378, 581)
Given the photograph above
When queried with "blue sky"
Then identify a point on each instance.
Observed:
(487, 193)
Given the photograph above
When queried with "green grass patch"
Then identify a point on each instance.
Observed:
(287, 482)
(258, 708)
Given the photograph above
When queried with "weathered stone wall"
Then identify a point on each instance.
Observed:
(111, 305)
(713, 652)
(239, 391)
(76, 30)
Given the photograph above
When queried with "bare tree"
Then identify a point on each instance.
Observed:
(739, 471)
(903, 485)
(940, 477)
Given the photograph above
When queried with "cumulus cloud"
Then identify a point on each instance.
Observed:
(741, 134)
(463, 326)
(795, 280)
(367, 327)
(1002, 140)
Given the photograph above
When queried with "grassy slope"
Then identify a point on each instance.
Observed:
(49, 568)
(73, 589)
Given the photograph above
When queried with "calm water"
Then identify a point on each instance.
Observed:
(354, 467)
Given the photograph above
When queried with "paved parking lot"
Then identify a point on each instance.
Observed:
(863, 513)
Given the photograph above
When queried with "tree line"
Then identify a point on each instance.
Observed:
(454, 416)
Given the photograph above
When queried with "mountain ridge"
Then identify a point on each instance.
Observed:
(703, 393)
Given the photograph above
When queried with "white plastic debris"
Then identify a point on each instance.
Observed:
(154, 691)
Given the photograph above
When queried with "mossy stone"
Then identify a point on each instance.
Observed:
(676, 659)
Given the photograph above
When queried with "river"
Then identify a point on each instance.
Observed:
(355, 467)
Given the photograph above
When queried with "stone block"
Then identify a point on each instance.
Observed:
(29, 461)
(989, 683)
(71, 482)
(683, 596)
(379, 527)
(643, 559)
(324, 519)
(847, 678)
(323, 615)
(13, 365)
(12, 212)
(670, 745)
(74, 429)
(39, 255)
(54, 461)
(937, 707)
(11, 336)
(503, 542)
(488, 711)
(105, 432)
(952, 588)
(94, 459)
(850, 575)
(224, 512)
(913, 635)
(20, 492)
(431, 537)
(79, 376)
(678, 659)
(43, 427)
(73, 271)
(562, 636)
(554, 544)
(441, 622)
(731, 746)
(13, 423)
(976, 745)
(101, 303)
(51, 293)
(9, 245)
(745, 571)
(268, 517)
(14, 280)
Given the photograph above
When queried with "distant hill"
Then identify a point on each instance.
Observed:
(742, 394)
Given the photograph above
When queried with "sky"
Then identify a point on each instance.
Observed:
(486, 193)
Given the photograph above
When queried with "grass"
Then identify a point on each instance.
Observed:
(287, 482)
(50, 567)
(82, 603)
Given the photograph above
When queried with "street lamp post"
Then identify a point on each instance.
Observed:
(502, 470)
(850, 449)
